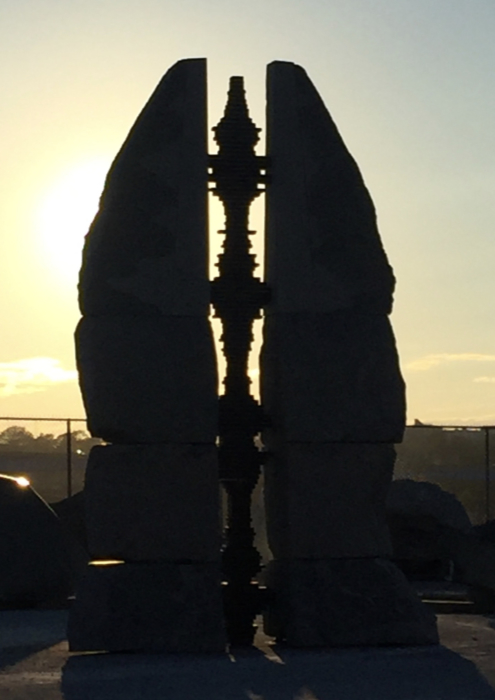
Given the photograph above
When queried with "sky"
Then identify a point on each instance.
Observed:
(411, 86)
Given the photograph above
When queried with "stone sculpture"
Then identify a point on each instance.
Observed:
(332, 392)
(331, 386)
(148, 378)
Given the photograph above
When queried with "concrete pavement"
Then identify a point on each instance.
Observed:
(35, 665)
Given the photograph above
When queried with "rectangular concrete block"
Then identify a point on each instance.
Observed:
(153, 502)
(147, 250)
(332, 378)
(148, 379)
(345, 602)
(323, 249)
(328, 500)
(159, 607)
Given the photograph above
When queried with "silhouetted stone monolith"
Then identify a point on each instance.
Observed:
(148, 377)
(332, 389)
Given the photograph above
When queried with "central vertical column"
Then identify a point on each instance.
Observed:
(238, 297)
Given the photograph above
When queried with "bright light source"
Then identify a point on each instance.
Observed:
(66, 212)
(106, 562)
(22, 481)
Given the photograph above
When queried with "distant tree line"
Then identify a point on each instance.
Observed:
(16, 438)
(453, 459)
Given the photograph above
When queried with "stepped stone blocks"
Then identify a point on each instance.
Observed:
(332, 389)
(149, 382)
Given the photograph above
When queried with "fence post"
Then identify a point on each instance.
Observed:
(487, 474)
(69, 459)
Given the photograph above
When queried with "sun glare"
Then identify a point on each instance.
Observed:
(66, 212)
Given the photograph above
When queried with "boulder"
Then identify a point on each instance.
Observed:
(71, 514)
(418, 499)
(39, 562)
(418, 515)
(485, 531)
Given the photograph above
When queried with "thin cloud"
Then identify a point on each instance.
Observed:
(425, 363)
(31, 375)
(484, 380)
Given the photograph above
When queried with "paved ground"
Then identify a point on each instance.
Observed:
(35, 665)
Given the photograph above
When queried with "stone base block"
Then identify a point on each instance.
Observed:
(153, 502)
(341, 603)
(148, 379)
(168, 607)
(332, 378)
(328, 500)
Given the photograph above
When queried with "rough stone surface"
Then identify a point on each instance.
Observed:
(346, 602)
(39, 563)
(148, 379)
(332, 378)
(328, 500)
(485, 531)
(419, 499)
(146, 251)
(153, 502)
(474, 559)
(169, 607)
(323, 250)
(418, 514)
(71, 514)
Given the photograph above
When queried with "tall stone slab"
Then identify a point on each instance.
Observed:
(148, 378)
(331, 386)
(146, 251)
(323, 250)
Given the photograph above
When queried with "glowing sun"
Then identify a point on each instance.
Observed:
(66, 212)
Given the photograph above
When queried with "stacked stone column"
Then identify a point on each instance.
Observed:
(331, 387)
(148, 378)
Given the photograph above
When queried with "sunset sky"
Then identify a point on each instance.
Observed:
(411, 86)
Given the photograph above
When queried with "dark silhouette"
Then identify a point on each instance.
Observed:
(238, 297)
(330, 381)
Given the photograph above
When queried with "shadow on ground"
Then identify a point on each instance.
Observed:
(27, 632)
(428, 673)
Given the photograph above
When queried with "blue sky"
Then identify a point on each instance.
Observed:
(411, 86)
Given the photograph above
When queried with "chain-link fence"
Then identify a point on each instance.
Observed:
(50, 453)
(460, 459)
